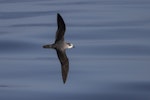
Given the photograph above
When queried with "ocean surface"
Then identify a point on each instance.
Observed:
(110, 61)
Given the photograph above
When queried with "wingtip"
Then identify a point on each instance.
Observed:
(64, 81)
(60, 22)
(64, 75)
(58, 15)
(64, 78)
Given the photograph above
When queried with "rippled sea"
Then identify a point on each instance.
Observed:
(110, 61)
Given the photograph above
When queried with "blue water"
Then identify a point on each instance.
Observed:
(110, 61)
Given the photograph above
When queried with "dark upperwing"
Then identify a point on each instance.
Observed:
(64, 63)
(61, 29)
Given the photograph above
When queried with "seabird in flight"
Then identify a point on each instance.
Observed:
(60, 46)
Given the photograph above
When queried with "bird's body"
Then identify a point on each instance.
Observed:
(60, 46)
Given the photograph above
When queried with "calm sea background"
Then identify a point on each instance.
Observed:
(110, 61)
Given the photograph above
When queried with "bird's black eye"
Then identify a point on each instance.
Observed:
(69, 44)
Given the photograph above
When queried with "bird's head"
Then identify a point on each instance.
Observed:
(70, 45)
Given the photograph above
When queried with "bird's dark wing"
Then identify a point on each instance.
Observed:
(61, 28)
(64, 63)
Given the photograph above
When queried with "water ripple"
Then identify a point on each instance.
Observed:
(21, 1)
(15, 15)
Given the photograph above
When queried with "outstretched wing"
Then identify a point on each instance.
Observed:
(61, 28)
(64, 63)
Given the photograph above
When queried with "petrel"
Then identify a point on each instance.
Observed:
(60, 46)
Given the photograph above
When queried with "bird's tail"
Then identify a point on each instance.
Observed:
(48, 46)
